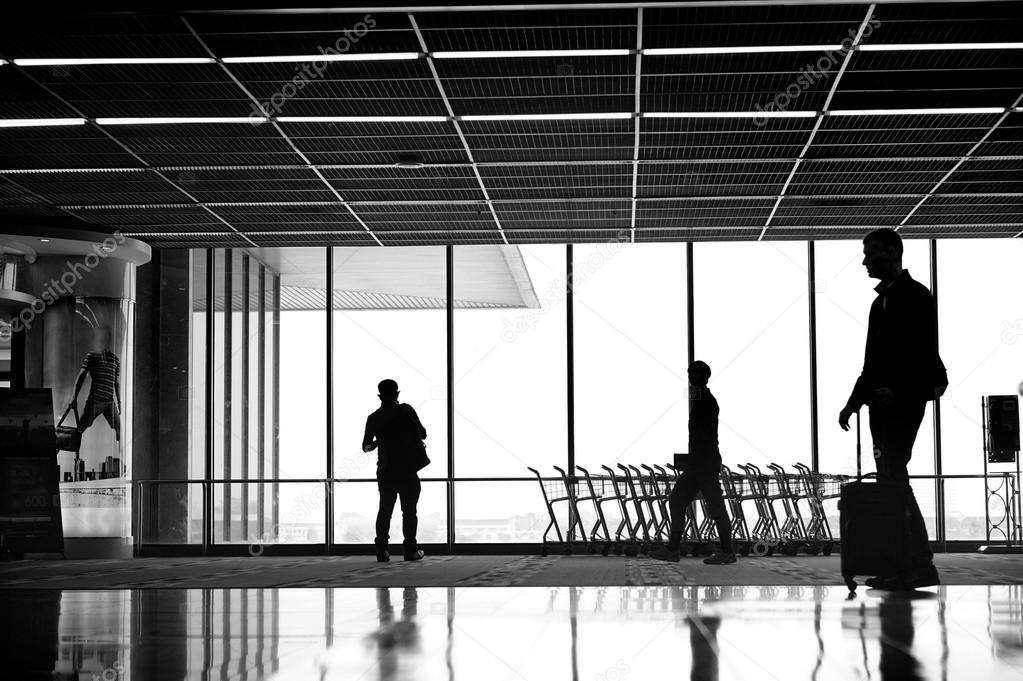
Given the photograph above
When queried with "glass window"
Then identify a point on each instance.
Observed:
(510, 385)
(390, 321)
(631, 353)
(751, 325)
(980, 319)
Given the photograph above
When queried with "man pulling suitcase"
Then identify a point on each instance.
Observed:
(902, 371)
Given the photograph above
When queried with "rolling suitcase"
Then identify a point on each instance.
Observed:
(874, 521)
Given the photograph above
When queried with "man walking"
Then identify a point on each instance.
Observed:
(702, 475)
(901, 373)
(392, 429)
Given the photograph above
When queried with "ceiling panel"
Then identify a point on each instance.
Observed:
(899, 136)
(434, 216)
(559, 29)
(79, 146)
(81, 188)
(958, 209)
(503, 141)
(76, 34)
(652, 215)
(985, 176)
(723, 138)
(960, 22)
(712, 179)
(245, 185)
(862, 177)
(207, 144)
(525, 182)
(376, 143)
(289, 218)
(830, 212)
(563, 215)
(182, 218)
(447, 183)
(398, 88)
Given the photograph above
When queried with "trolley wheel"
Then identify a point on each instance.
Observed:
(760, 548)
(826, 549)
(850, 582)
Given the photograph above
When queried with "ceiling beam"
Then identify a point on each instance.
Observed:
(637, 108)
(820, 118)
(458, 128)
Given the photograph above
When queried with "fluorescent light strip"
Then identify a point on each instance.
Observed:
(730, 114)
(738, 49)
(918, 112)
(112, 61)
(376, 56)
(39, 122)
(362, 119)
(940, 46)
(616, 115)
(507, 54)
(179, 121)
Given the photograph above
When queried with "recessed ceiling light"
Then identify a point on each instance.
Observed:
(63, 61)
(614, 115)
(45, 241)
(939, 46)
(284, 58)
(362, 119)
(173, 121)
(510, 54)
(730, 114)
(918, 112)
(409, 160)
(39, 122)
(738, 49)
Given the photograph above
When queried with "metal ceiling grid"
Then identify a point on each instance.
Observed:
(732, 82)
(796, 211)
(576, 181)
(398, 88)
(376, 143)
(750, 25)
(322, 217)
(899, 135)
(317, 239)
(80, 35)
(817, 233)
(558, 235)
(449, 183)
(441, 237)
(947, 209)
(241, 35)
(147, 90)
(931, 79)
(24, 99)
(79, 146)
(525, 141)
(187, 240)
(1007, 138)
(119, 188)
(564, 216)
(698, 233)
(658, 214)
(429, 216)
(551, 85)
(208, 144)
(153, 219)
(557, 29)
(764, 178)
(960, 22)
(978, 175)
(210, 185)
(722, 138)
(816, 177)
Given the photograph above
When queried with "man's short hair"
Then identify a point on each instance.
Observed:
(886, 237)
(388, 386)
(701, 369)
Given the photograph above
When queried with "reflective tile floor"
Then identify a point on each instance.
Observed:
(521, 633)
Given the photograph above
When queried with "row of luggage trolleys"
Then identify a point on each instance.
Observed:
(639, 494)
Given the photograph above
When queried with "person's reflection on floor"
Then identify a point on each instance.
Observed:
(897, 660)
(703, 639)
(396, 638)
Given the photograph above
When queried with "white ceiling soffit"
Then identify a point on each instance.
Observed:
(401, 278)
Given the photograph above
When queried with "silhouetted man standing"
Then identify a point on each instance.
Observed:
(393, 428)
(703, 473)
(901, 372)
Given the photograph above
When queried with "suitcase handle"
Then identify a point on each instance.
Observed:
(859, 464)
(72, 407)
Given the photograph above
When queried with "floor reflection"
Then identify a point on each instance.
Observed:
(603, 633)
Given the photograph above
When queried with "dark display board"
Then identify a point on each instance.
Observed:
(30, 519)
(1002, 428)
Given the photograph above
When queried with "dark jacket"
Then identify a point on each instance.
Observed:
(391, 430)
(902, 344)
(703, 425)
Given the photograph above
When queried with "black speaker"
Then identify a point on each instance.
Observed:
(1002, 427)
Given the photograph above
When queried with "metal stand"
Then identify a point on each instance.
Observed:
(1006, 491)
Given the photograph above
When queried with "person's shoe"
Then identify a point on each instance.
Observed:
(882, 582)
(665, 552)
(418, 555)
(383, 556)
(919, 578)
(721, 558)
